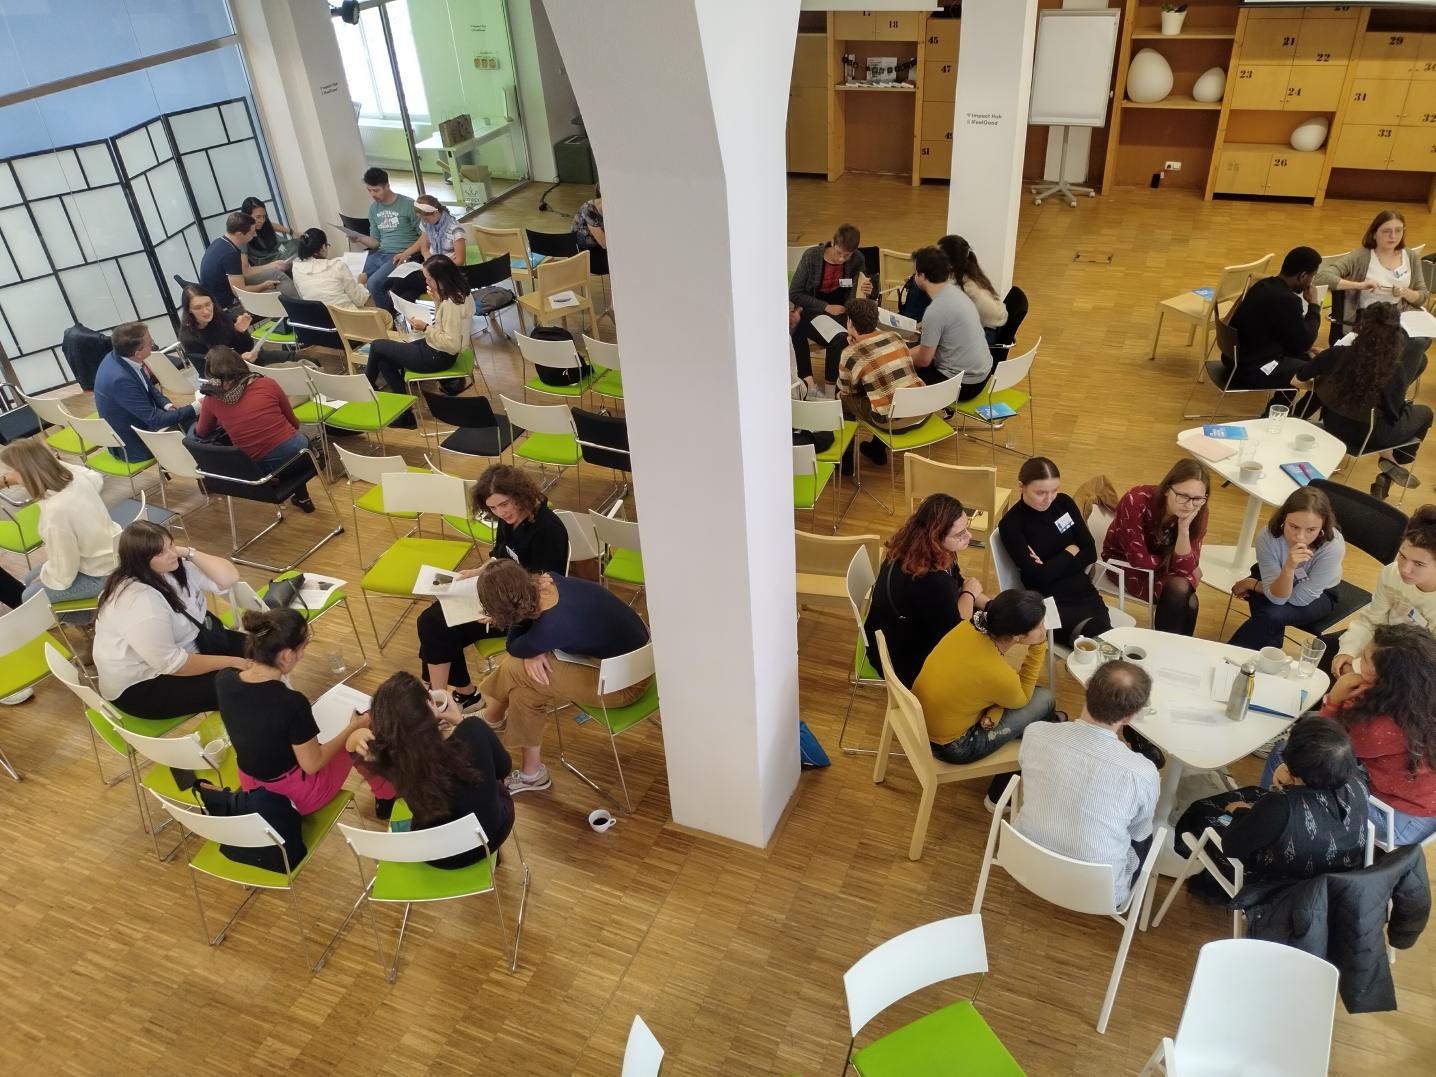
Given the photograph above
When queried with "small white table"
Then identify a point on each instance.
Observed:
(1223, 566)
(1185, 722)
(486, 129)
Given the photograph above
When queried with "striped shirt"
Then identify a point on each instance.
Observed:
(876, 366)
(1086, 795)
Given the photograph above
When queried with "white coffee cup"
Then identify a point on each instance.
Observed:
(1251, 469)
(1304, 441)
(1134, 654)
(601, 820)
(216, 750)
(1271, 660)
(1085, 650)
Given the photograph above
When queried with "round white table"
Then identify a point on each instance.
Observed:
(1184, 721)
(1222, 566)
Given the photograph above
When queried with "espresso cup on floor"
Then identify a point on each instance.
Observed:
(600, 820)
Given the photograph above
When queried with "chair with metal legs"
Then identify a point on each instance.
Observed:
(859, 581)
(24, 638)
(244, 597)
(98, 432)
(58, 433)
(371, 470)
(614, 675)
(999, 392)
(910, 402)
(252, 832)
(165, 754)
(403, 876)
(826, 417)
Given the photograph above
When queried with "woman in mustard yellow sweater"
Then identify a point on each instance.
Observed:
(973, 700)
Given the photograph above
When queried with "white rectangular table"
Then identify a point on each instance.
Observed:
(486, 129)
(1184, 721)
(1222, 566)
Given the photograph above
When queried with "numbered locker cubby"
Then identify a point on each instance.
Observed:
(1364, 145)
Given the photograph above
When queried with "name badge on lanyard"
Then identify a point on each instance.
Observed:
(1065, 523)
(845, 282)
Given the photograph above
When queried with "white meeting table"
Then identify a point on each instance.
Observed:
(1223, 566)
(1183, 719)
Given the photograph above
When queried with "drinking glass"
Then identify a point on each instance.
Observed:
(1311, 654)
(1275, 417)
(336, 662)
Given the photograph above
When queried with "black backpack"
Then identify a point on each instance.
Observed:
(84, 349)
(552, 375)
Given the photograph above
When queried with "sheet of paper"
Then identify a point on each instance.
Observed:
(460, 603)
(1418, 323)
(563, 299)
(434, 581)
(1194, 716)
(335, 707)
(315, 592)
(827, 327)
(422, 311)
(405, 269)
(893, 320)
(1052, 620)
(1179, 678)
(1271, 693)
(354, 260)
(1348, 340)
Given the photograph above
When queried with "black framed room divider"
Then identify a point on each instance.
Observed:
(94, 232)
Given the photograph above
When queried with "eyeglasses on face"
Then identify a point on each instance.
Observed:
(1189, 499)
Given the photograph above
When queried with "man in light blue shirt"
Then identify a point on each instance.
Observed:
(952, 342)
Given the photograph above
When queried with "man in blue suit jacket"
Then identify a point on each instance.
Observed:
(126, 394)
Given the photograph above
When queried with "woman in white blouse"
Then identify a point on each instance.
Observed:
(324, 279)
(156, 650)
(74, 523)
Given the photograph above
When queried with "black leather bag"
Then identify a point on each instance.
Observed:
(84, 348)
(280, 593)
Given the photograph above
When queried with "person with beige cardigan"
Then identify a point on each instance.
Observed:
(444, 338)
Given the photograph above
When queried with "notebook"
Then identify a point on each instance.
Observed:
(1271, 694)
(995, 411)
(1207, 448)
(1301, 472)
(1225, 431)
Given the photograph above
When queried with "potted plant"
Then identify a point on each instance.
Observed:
(1173, 15)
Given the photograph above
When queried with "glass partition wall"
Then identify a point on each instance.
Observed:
(112, 183)
(449, 125)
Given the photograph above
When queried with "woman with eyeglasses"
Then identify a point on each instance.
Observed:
(1160, 529)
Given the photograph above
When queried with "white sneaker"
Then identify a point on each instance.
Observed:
(18, 697)
(519, 782)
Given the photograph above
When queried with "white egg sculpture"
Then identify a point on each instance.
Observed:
(1311, 134)
(1149, 77)
(1211, 85)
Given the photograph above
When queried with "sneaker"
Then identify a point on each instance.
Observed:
(18, 697)
(518, 782)
(989, 804)
(302, 502)
(405, 422)
(469, 702)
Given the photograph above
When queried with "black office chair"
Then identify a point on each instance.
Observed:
(229, 472)
(603, 442)
(1006, 336)
(478, 432)
(486, 280)
(310, 322)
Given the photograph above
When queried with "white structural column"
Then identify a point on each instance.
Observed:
(684, 103)
(989, 129)
(304, 104)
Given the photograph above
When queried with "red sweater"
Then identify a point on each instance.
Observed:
(1128, 540)
(1381, 745)
(257, 423)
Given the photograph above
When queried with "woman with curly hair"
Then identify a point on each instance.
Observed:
(526, 530)
(1160, 529)
(1388, 707)
(920, 594)
(444, 765)
(547, 617)
(1369, 375)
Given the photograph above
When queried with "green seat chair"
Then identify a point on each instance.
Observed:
(188, 752)
(911, 402)
(826, 417)
(20, 528)
(371, 470)
(402, 876)
(810, 478)
(359, 407)
(58, 432)
(614, 675)
(98, 432)
(952, 1040)
(550, 437)
(1001, 393)
(252, 832)
(25, 632)
(622, 554)
(604, 355)
(859, 583)
(268, 316)
(244, 597)
(557, 355)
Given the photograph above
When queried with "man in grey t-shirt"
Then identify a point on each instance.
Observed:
(952, 341)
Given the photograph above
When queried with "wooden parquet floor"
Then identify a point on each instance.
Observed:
(734, 956)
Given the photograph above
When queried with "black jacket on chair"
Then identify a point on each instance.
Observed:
(1342, 918)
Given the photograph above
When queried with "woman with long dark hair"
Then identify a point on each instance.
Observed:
(275, 737)
(526, 530)
(444, 765)
(322, 279)
(1046, 537)
(1160, 528)
(264, 245)
(157, 650)
(966, 271)
(1298, 568)
(1388, 707)
(920, 594)
(1371, 374)
(203, 325)
(444, 338)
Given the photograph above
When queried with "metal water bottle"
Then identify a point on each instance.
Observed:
(1240, 697)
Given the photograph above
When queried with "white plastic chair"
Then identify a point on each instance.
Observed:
(614, 675)
(1078, 885)
(180, 381)
(59, 435)
(582, 539)
(603, 354)
(1110, 575)
(21, 629)
(97, 431)
(859, 583)
(371, 470)
(826, 417)
(643, 1056)
(618, 537)
(168, 448)
(559, 354)
(262, 305)
(1254, 1007)
(185, 752)
(555, 421)
(1006, 375)
(926, 955)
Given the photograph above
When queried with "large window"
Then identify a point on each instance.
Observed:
(367, 68)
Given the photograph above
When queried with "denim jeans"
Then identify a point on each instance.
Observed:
(1268, 622)
(978, 743)
(377, 267)
(81, 587)
(286, 450)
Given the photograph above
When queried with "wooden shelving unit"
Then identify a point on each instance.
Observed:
(1176, 100)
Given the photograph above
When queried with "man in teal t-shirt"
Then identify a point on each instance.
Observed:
(393, 235)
